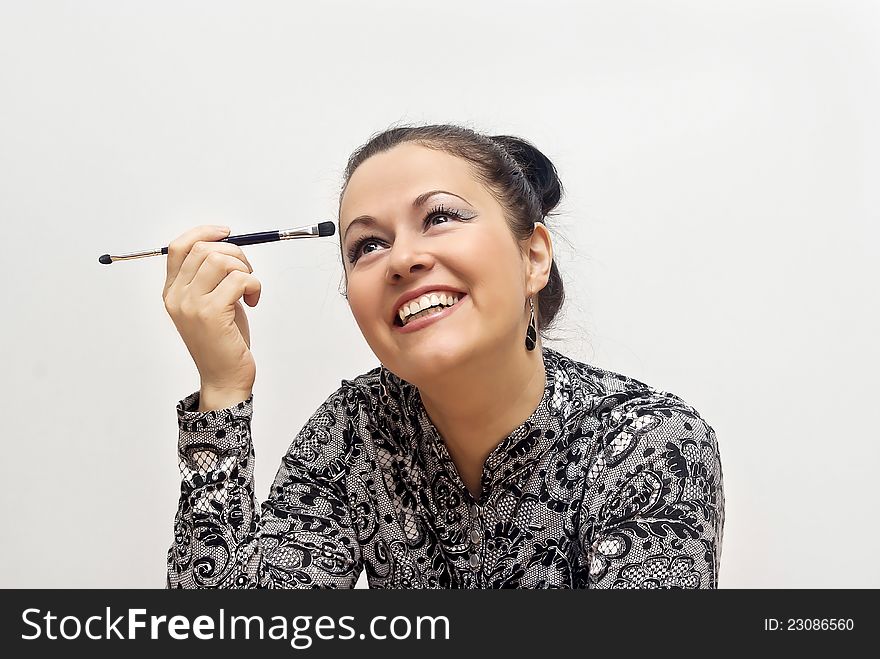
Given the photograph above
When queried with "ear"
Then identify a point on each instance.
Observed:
(540, 258)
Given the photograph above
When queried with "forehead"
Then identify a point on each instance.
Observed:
(382, 182)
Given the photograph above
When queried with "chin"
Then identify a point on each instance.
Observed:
(430, 359)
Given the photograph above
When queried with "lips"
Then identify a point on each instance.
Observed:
(419, 323)
(417, 293)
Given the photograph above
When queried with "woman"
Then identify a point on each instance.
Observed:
(473, 456)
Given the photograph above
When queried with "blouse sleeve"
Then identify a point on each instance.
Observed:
(300, 537)
(652, 514)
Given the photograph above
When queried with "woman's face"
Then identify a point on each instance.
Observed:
(426, 245)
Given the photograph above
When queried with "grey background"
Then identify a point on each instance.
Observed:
(718, 238)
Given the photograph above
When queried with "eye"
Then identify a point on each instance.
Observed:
(366, 244)
(358, 248)
(354, 252)
(440, 211)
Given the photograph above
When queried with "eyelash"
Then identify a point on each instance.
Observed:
(437, 210)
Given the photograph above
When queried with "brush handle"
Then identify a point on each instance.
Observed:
(311, 231)
(247, 239)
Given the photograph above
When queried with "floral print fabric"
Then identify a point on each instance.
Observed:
(609, 483)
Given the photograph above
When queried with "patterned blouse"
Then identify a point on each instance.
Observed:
(609, 483)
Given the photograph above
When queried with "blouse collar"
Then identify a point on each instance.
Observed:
(522, 447)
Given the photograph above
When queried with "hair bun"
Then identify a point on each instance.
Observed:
(538, 169)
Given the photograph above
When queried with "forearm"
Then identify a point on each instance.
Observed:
(300, 537)
(214, 545)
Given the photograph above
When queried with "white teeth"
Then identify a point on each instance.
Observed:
(425, 302)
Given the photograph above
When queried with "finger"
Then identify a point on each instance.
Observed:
(180, 247)
(215, 265)
(235, 285)
(197, 256)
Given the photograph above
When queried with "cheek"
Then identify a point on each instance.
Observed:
(495, 263)
(366, 304)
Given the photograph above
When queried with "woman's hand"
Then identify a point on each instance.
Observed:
(204, 282)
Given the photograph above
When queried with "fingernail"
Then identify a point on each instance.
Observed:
(222, 228)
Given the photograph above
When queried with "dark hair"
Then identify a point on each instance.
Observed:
(518, 175)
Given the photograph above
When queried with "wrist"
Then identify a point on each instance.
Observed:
(217, 398)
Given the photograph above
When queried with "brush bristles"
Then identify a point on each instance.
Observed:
(326, 229)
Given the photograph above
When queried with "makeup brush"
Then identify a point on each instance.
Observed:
(310, 231)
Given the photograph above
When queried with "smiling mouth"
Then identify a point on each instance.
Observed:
(427, 313)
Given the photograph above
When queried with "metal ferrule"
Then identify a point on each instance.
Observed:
(304, 232)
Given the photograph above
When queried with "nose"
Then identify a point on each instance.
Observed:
(406, 257)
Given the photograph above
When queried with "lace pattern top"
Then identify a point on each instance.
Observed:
(609, 483)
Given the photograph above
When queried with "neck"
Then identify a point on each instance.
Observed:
(476, 406)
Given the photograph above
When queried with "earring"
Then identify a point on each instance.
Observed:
(531, 331)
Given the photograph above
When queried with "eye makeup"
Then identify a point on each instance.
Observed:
(354, 252)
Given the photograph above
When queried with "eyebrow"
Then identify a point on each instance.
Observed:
(368, 220)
